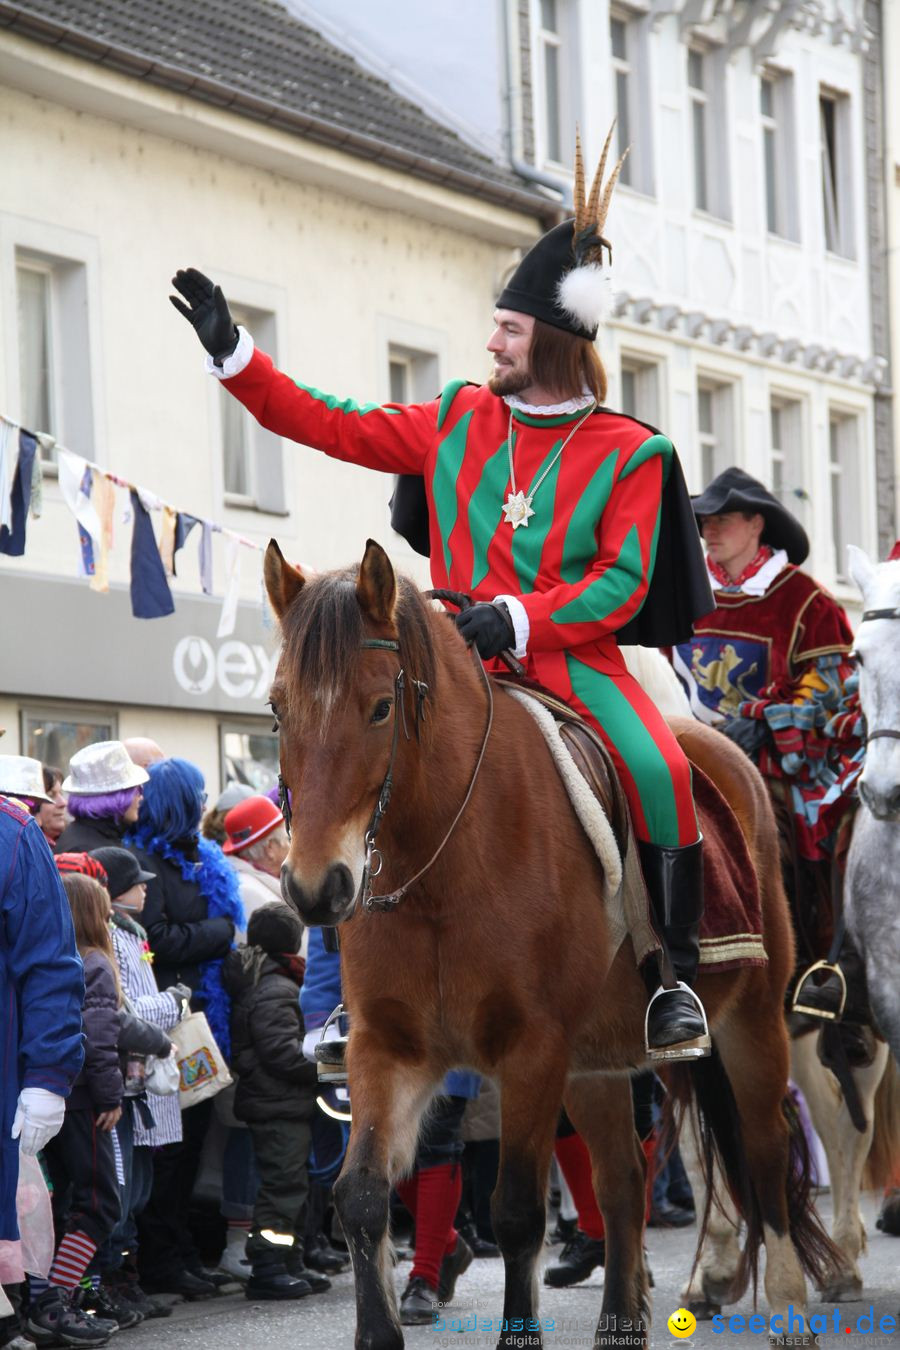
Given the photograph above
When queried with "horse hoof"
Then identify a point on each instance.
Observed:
(704, 1309)
(888, 1220)
(850, 1287)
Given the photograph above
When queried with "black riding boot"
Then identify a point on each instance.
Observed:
(676, 1025)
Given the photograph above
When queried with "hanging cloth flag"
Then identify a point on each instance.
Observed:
(150, 594)
(104, 497)
(167, 537)
(75, 481)
(183, 526)
(9, 456)
(12, 538)
(228, 617)
(37, 479)
(206, 570)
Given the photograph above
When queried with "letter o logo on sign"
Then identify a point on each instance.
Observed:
(194, 664)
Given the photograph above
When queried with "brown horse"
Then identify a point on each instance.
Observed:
(498, 957)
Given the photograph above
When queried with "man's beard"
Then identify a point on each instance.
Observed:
(509, 382)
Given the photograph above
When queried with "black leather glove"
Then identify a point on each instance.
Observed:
(207, 310)
(749, 734)
(489, 627)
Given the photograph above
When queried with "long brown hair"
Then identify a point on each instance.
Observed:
(89, 903)
(565, 363)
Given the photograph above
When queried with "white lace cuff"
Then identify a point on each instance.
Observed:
(236, 362)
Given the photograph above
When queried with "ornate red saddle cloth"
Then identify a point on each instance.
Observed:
(731, 929)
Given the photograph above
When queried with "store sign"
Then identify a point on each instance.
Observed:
(61, 640)
(239, 669)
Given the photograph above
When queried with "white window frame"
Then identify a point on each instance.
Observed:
(646, 377)
(80, 714)
(788, 457)
(267, 491)
(845, 485)
(777, 132)
(245, 727)
(73, 262)
(709, 97)
(715, 444)
(836, 175)
(562, 41)
(27, 263)
(637, 171)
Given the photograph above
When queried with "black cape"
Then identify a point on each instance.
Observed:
(680, 590)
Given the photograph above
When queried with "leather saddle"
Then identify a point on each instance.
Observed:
(589, 755)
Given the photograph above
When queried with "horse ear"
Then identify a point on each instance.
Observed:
(861, 569)
(283, 582)
(376, 585)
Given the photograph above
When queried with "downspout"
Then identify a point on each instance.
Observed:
(527, 171)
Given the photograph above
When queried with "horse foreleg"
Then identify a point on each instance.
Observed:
(716, 1277)
(601, 1111)
(388, 1102)
(528, 1120)
(846, 1149)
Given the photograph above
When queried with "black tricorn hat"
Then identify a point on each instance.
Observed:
(735, 490)
(561, 278)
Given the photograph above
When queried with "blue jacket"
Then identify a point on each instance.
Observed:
(41, 986)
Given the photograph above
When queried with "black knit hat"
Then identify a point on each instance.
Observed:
(561, 279)
(275, 928)
(735, 490)
(122, 868)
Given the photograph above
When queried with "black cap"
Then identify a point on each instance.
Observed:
(534, 287)
(275, 928)
(122, 869)
(735, 490)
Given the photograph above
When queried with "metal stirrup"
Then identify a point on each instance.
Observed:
(696, 1048)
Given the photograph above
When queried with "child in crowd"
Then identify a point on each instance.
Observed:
(276, 1096)
(80, 1158)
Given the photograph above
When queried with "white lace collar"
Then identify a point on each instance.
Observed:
(571, 405)
(760, 582)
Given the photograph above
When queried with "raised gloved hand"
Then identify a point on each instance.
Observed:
(207, 310)
(749, 734)
(489, 627)
(39, 1117)
(182, 996)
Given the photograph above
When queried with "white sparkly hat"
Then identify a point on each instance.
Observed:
(103, 767)
(21, 776)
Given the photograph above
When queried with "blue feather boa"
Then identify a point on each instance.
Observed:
(218, 884)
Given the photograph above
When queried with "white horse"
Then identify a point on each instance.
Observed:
(852, 1156)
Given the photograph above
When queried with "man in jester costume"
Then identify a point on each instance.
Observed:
(568, 524)
(770, 667)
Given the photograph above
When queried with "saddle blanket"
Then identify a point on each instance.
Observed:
(731, 928)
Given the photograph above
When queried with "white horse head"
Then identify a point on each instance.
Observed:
(878, 653)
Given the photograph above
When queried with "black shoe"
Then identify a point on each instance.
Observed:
(185, 1283)
(52, 1320)
(418, 1303)
(670, 1216)
(321, 1256)
(103, 1303)
(273, 1282)
(579, 1257)
(888, 1220)
(217, 1278)
(452, 1266)
(330, 1057)
(676, 1025)
(129, 1291)
(318, 1284)
(483, 1250)
(563, 1231)
(821, 992)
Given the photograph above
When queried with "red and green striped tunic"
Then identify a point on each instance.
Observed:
(580, 569)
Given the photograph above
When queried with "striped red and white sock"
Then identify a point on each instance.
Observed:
(73, 1256)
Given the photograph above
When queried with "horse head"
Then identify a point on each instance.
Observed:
(338, 692)
(876, 648)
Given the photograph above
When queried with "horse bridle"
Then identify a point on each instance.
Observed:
(889, 734)
(374, 859)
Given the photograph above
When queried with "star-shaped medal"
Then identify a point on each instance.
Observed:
(517, 509)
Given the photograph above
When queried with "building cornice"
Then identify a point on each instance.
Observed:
(712, 331)
(761, 25)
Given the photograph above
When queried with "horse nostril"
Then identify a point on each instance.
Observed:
(894, 801)
(866, 794)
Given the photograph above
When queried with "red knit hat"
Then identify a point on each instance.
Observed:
(250, 821)
(84, 863)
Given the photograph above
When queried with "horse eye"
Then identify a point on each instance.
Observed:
(382, 711)
(276, 724)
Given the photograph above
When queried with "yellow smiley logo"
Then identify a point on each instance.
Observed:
(682, 1323)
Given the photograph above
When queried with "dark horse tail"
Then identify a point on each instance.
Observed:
(721, 1141)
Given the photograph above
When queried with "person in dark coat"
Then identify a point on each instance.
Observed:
(190, 914)
(104, 789)
(276, 1096)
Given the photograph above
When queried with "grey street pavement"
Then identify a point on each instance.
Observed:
(327, 1321)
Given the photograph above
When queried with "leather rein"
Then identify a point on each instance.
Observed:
(374, 859)
(881, 614)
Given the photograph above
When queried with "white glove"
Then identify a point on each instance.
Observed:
(39, 1116)
(312, 1038)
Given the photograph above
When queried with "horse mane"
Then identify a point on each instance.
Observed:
(323, 632)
